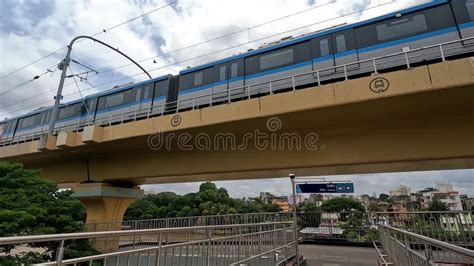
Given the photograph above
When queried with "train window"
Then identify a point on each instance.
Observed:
(114, 100)
(222, 73)
(31, 121)
(70, 111)
(402, 27)
(470, 8)
(138, 94)
(324, 47)
(161, 88)
(197, 79)
(276, 59)
(233, 70)
(341, 43)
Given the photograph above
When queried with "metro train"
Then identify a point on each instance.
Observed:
(433, 23)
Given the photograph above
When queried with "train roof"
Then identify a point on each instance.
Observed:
(313, 35)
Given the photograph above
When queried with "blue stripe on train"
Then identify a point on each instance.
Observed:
(329, 57)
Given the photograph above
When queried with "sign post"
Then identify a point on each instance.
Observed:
(347, 187)
(295, 218)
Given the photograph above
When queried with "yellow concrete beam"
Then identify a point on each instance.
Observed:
(387, 121)
(92, 134)
(66, 140)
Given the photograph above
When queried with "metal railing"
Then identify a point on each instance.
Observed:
(407, 248)
(372, 65)
(455, 227)
(252, 244)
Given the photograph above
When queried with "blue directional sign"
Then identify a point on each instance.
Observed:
(325, 188)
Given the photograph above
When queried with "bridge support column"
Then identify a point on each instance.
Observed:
(105, 206)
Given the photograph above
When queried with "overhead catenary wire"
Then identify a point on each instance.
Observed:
(95, 34)
(203, 42)
(210, 53)
(79, 91)
(48, 70)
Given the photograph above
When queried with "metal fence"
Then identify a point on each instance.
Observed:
(351, 226)
(373, 65)
(404, 248)
(455, 227)
(269, 243)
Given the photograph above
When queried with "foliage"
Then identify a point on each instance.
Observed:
(438, 205)
(342, 205)
(32, 206)
(373, 207)
(209, 200)
(384, 197)
(307, 206)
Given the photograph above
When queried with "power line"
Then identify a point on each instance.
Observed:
(211, 40)
(222, 36)
(28, 81)
(207, 54)
(100, 32)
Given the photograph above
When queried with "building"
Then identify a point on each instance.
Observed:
(318, 199)
(445, 193)
(282, 202)
(299, 199)
(401, 191)
(266, 197)
(467, 203)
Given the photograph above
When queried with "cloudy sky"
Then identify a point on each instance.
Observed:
(170, 37)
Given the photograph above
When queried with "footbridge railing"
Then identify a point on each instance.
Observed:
(270, 243)
(404, 248)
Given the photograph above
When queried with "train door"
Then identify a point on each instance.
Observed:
(45, 118)
(236, 79)
(464, 13)
(344, 52)
(219, 91)
(145, 94)
(88, 111)
(323, 58)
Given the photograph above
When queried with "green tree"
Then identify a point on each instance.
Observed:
(342, 204)
(307, 206)
(438, 205)
(373, 207)
(32, 206)
(384, 197)
(271, 208)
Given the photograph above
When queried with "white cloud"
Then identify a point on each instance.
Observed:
(34, 28)
(462, 180)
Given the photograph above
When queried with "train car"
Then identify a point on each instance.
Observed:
(32, 123)
(130, 101)
(429, 24)
(7, 128)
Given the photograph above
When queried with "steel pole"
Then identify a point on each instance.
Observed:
(295, 219)
(65, 64)
(54, 113)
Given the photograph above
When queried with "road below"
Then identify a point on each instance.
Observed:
(328, 255)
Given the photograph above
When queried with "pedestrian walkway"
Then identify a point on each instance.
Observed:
(329, 255)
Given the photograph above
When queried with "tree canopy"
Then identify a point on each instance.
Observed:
(438, 205)
(32, 206)
(342, 204)
(209, 200)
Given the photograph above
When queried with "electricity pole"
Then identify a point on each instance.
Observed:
(64, 65)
